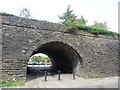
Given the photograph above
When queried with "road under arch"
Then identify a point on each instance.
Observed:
(63, 56)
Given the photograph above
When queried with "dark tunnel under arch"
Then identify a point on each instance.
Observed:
(63, 56)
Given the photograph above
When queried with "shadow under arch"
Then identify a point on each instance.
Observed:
(62, 55)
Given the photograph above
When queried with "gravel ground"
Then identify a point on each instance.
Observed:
(67, 82)
(37, 80)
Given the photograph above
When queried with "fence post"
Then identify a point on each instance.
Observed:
(73, 74)
(59, 75)
(45, 75)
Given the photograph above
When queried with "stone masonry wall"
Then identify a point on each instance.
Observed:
(20, 37)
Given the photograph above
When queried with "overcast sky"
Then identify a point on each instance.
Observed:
(92, 10)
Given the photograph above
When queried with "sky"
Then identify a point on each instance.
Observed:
(92, 10)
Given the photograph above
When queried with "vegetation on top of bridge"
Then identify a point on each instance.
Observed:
(72, 23)
(95, 31)
(5, 14)
(24, 13)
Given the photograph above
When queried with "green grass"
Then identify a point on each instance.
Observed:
(11, 83)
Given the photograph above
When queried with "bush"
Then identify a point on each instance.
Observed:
(5, 14)
(97, 31)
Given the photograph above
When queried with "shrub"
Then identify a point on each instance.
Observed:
(5, 14)
(97, 31)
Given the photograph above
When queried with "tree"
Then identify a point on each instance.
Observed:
(40, 59)
(68, 18)
(25, 13)
(47, 59)
(81, 21)
(36, 59)
(72, 23)
(100, 25)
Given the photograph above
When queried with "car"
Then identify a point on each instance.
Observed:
(33, 63)
(41, 63)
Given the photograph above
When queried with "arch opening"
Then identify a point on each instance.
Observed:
(63, 56)
(38, 63)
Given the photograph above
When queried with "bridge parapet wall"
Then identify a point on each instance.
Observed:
(44, 25)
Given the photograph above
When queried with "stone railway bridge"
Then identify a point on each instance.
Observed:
(89, 55)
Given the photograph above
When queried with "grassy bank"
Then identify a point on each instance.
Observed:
(11, 83)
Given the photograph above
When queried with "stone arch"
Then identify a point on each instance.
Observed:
(64, 57)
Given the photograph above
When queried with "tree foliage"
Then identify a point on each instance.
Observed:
(68, 18)
(25, 13)
(36, 59)
(81, 21)
(100, 25)
(72, 23)
(40, 59)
